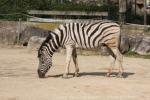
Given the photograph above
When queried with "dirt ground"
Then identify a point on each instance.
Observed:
(19, 81)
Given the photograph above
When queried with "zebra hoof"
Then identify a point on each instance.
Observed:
(107, 75)
(120, 75)
(76, 74)
(65, 76)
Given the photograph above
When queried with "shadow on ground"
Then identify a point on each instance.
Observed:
(114, 74)
(82, 74)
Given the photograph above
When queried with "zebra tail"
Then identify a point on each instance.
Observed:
(119, 41)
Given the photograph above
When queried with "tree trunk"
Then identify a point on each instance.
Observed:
(122, 10)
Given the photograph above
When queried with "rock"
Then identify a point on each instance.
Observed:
(35, 42)
(134, 42)
(29, 31)
(140, 45)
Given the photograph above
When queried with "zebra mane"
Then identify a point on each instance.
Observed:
(49, 37)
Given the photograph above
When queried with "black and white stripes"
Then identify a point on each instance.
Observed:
(87, 35)
(78, 35)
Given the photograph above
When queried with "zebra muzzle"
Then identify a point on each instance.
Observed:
(40, 74)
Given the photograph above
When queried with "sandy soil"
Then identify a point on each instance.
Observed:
(19, 81)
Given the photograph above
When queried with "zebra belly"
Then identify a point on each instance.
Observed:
(86, 47)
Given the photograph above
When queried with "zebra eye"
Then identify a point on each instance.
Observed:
(42, 61)
(43, 64)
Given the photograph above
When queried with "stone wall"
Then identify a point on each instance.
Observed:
(136, 30)
(11, 30)
(132, 35)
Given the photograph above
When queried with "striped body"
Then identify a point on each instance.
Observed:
(90, 35)
(77, 35)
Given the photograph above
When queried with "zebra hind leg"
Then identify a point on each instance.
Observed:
(112, 63)
(118, 58)
(69, 50)
(74, 56)
(110, 69)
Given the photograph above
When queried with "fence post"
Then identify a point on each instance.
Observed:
(145, 13)
(135, 7)
(19, 30)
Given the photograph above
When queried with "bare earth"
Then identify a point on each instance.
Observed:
(19, 81)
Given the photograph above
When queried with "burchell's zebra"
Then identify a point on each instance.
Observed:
(81, 35)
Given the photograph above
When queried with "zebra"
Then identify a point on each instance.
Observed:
(81, 35)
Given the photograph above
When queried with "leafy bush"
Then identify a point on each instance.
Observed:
(79, 7)
(113, 12)
(11, 7)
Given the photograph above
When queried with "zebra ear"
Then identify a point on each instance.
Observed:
(49, 37)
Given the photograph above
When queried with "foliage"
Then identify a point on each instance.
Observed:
(47, 26)
(78, 7)
(13, 7)
(132, 17)
(113, 12)
(134, 54)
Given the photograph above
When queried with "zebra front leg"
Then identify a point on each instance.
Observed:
(74, 56)
(69, 50)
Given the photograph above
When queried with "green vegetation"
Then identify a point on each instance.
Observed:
(15, 9)
(47, 26)
(113, 12)
(22, 6)
(79, 7)
(133, 54)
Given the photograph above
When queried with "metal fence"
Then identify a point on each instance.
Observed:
(8, 32)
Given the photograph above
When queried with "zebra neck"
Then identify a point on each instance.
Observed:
(53, 46)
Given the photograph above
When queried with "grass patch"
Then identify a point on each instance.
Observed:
(46, 26)
(135, 55)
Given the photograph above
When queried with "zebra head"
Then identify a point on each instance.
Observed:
(45, 62)
(45, 57)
